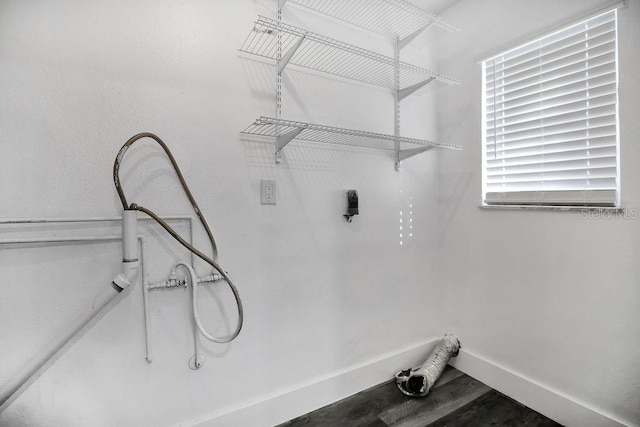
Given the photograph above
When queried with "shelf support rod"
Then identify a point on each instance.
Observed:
(403, 93)
(396, 102)
(287, 56)
(405, 154)
(284, 139)
(408, 39)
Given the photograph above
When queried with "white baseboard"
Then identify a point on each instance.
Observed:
(283, 405)
(553, 404)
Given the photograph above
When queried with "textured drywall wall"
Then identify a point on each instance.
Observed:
(552, 296)
(78, 78)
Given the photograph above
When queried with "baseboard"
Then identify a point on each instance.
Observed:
(553, 404)
(283, 405)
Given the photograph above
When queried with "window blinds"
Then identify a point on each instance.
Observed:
(550, 119)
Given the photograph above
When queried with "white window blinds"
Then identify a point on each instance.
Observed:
(550, 119)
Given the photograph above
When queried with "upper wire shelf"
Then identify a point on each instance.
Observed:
(285, 131)
(317, 52)
(391, 18)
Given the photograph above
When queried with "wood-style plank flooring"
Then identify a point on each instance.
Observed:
(455, 400)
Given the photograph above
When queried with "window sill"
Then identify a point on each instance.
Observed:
(583, 209)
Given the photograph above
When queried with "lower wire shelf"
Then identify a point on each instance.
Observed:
(285, 131)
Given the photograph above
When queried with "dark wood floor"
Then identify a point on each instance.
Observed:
(455, 400)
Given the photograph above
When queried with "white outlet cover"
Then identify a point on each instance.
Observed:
(268, 191)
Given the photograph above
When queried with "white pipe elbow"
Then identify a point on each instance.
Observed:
(127, 276)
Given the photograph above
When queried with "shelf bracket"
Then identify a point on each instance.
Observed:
(410, 152)
(403, 93)
(408, 39)
(287, 56)
(284, 139)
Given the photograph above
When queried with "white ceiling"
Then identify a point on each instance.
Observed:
(435, 6)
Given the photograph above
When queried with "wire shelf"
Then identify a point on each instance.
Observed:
(314, 51)
(285, 131)
(391, 18)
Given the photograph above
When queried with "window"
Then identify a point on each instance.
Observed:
(550, 119)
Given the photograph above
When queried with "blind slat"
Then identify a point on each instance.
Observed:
(586, 50)
(543, 122)
(555, 38)
(601, 83)
(569, 75)
(535, 176)
(575, 43)
(602, 95)
(568, 124)
(522, 154)
(523, 151)
(557, 185)
(586, 153)
(592, 132)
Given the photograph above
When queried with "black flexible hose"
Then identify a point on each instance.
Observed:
(171, 231)
(123, 199)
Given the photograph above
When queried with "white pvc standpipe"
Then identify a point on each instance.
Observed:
(129, 235)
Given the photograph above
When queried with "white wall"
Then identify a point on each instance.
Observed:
(321, 296)
(551, 296)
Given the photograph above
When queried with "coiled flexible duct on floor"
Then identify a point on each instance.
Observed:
(173, 233)
(417, 382)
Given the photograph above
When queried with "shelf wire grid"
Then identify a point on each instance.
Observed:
(390, 18)
(330, 56)
(273, 128)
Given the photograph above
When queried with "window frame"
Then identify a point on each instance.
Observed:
(583, 197)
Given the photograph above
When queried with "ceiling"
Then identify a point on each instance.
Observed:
(435, 6)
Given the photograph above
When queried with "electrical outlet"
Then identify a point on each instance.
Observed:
(268, 192)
